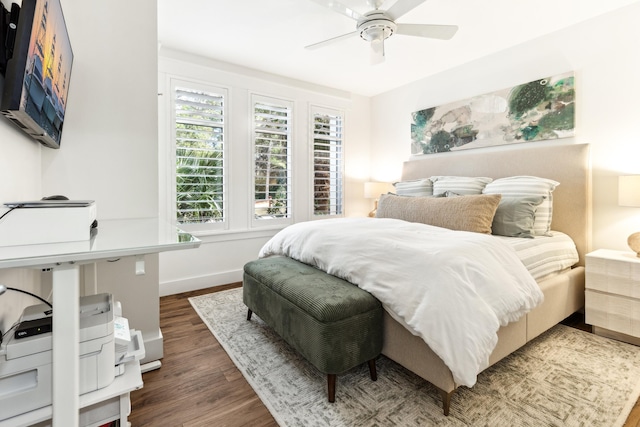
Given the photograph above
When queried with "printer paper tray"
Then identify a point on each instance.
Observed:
(135, 350)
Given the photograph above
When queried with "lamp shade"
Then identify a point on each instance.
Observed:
(629, 190)
(373, 190)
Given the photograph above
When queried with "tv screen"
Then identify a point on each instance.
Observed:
(37, 75)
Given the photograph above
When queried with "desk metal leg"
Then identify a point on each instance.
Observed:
(66, 348)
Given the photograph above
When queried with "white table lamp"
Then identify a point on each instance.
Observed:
(373, 190)
(629, 195)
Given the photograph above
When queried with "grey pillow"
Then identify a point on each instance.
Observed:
(515, 216)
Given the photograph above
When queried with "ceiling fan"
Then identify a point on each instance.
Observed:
(377, 25)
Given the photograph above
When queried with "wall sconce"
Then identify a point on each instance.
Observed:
(629, 195)
(373, 190)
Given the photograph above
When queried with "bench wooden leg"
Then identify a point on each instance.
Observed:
(331, 380)
(372, 369)
(446, 401)
(249, 313)
(331, 383)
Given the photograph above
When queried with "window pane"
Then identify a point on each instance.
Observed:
(272, 180)
(327, 164)
(199, 127)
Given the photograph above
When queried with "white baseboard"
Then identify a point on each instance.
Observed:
(202, 282)
(153, 347)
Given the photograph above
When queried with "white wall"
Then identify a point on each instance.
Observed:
(603, 54)
(20, 180)
(220, 258)
(109, 143)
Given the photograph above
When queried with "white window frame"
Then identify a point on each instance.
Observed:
(203, 228)
(263, 222)
(339, 186)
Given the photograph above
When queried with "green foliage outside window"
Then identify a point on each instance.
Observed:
(199, 157)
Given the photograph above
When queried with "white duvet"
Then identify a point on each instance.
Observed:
(454, 289)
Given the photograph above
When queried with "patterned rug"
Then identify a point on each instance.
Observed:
(565, 377)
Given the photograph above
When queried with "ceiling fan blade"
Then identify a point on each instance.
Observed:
(340, 8)
(331, 40)
(377, 52)
(403, 6)
(442, 32)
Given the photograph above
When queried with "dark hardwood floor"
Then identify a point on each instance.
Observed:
(198, 385)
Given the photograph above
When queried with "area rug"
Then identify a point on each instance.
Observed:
(565, 377)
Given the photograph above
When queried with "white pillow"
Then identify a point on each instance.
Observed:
(462, 185)
(417, 188)
(522, 186)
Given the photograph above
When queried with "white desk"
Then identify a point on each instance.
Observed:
(115, 238)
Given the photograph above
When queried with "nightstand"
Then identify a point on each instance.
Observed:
(612, 294)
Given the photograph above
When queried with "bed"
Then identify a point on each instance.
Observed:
(563, 292)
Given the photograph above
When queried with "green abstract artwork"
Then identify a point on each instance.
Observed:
(543, 109)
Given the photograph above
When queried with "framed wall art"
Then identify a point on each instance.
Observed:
(543, 109)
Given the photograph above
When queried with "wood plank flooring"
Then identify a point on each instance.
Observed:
(199, 386)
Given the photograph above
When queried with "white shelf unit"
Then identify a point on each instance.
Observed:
(612, 294)
(115, 238)
(96, 408)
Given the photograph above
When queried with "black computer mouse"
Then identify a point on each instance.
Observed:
(55, 197)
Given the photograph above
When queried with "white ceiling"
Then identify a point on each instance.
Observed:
(270, 35)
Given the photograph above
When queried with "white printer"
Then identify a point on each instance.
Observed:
(25, 363)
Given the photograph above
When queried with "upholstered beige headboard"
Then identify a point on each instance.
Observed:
(567, 164)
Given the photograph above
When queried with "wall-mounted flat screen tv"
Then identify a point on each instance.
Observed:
(37, 75)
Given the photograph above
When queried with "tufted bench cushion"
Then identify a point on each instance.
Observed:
(334, 324)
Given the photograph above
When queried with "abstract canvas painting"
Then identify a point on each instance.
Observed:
(543, 109)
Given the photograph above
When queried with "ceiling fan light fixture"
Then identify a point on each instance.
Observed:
(376, 26)
(374, 35)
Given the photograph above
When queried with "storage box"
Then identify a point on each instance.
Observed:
(56, 221)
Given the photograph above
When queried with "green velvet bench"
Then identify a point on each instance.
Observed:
(332, 323)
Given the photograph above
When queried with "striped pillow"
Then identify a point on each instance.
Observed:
(515, 186)
(417, 188)
(461, 185)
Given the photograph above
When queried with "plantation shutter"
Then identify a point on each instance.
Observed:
(272, 167)
(328, 172)
(199, 142)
